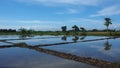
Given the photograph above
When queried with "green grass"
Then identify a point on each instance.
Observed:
(61, 33)
(103, 33)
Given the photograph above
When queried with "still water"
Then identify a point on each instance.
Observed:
(29, 56)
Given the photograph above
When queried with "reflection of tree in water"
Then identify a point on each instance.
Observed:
(24, 36)
(83, 37)
(107, 45)
(64, 38)
(87, 60)
(75, 38)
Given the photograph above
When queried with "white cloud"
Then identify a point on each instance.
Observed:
(62, 2)
(108, 11)
(115, 26)
(88, 23)
(30, 24)
(35, 27)
(30, 21)
(86, 20)
(69, 11)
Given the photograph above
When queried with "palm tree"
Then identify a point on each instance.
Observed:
(107, 22)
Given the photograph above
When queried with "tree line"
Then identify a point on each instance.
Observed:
(8, 30)
(76, 29)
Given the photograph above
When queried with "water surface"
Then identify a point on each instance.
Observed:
(25, 56)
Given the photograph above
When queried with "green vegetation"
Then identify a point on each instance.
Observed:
(24, 31)
(75, 31)
(107, 22)
(83, 31)
(117, 33)
(64, 30)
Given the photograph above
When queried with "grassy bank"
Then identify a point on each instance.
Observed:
(62, 33)
(104, 33)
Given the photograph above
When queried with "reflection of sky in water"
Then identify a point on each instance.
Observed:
(26, 58)
(3, 44)
(48, 40)
(92, 49)
(9, 37)
(39, 41)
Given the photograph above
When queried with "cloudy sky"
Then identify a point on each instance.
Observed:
(52, 14)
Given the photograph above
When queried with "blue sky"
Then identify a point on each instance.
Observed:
(52, 14)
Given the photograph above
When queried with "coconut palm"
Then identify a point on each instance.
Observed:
(107, 22)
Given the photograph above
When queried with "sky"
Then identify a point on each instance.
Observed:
(52, 14)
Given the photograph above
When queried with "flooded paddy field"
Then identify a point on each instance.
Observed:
(59, 51)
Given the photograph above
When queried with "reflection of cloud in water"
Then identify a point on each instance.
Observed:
(1, 44)
(89, 49)
(113, 53)
(61, 64)
(25, 58)
(58, 63)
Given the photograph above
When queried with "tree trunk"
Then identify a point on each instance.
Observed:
(107, 30)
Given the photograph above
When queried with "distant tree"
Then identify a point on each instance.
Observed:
(75, 29)
(107, 22)
(24, 31)
(30, 31)
(95, 30)
(7, 30)
(83, 30)
(64, 28)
